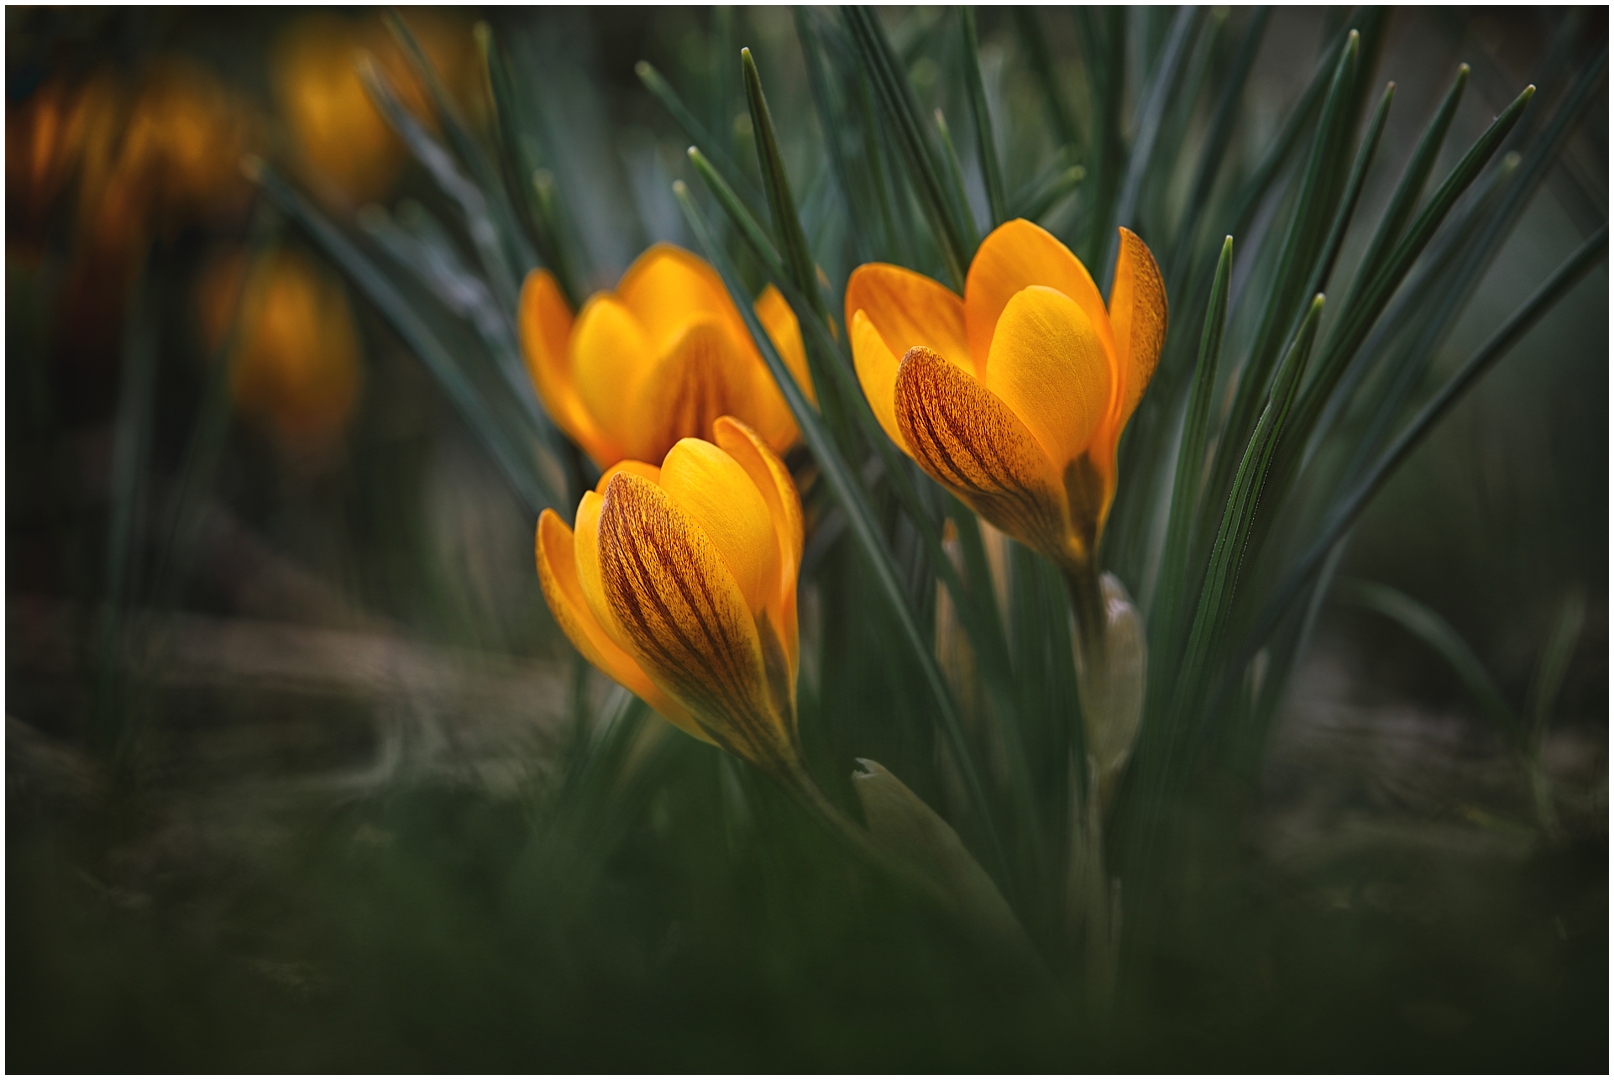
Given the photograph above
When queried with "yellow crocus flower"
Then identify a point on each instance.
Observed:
(1015, 395)
(657, 360)
(680, 583)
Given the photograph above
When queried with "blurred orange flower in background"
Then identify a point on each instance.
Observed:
(296, 355)
(337, 137)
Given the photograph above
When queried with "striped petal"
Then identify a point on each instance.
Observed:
(1138, 316)
(1049, 366)
(557, 573)
(687, 621)
(909, 309)
(700, 377)
(1018, 254)
(720, 497)
(968, 439)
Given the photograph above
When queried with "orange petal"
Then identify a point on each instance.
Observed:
(687, 621)
(650, 472)
(876, 373)
(700, 377)
(720, 497)
(667, 287)
(1048, 365)
(1138, 316)
(1015, 255)
(773, 481)
(609, 356)
(968, 439)
(557, 573)
(545, 326)
(909, 309)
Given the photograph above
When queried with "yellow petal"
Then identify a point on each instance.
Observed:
(720, 496)
(545, 324)
(650, 472)
(586, 554)
(1138, 316)
(610, 354)
(910, 309)
(1015, 255)
(773, 481)
(557, 573)
(1048, 365)
(876, 373)
(969, 440)
(667, 287)
(687, 621)
(700, 377)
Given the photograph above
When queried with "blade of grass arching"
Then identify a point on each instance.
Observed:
(901, 111)
(1354, 323)
(532, 215)
(1199, 66)
(518, 251)
(522, 474)
(1350, 506)
(1035, 41)
(1151, 111)
(696, 132)
(1167, 607)
(848, 491)
(986, 144)
(857, 196)
(473, 203)
(1425, 624)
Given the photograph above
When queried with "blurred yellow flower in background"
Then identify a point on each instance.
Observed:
(1014, 396)
(680, 583)
(297, 354)
(339, 139)
(659, 359)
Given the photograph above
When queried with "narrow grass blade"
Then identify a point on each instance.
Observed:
(1350, 506)
(696, 132)
(902, 113)
(1035, 41)
(1041, 197)
(954, 173)
(1191, 459)
(473, 203)
(760, 242)
(488, 177)
(1354, 323)
(858, 192)
(1427, 625)
(793, 250)
(1105, 52)
(986, 145)
(849, 495)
